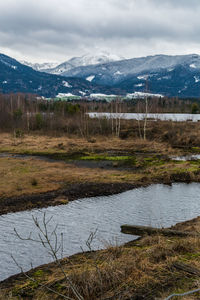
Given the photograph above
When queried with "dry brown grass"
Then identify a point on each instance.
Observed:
(141, 271)
(32, 176)
(51, 144)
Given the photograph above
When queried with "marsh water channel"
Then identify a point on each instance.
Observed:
(81, 163)
(157, 205)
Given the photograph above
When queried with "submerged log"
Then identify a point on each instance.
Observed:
(144, 230)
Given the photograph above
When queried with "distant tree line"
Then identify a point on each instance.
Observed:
(22, 113)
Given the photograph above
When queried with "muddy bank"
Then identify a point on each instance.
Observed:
(73, 192)
(87, 189)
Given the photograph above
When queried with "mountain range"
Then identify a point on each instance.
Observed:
(104, 73)
(100, 57)
(16, 77)
(39, 66)
(167, 75)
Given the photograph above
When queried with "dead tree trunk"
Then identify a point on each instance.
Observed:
(143, 230)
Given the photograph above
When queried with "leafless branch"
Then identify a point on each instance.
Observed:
(44, 238)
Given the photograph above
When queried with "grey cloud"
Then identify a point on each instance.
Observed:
(64, 28)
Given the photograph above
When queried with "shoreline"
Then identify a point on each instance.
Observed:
(79, 191)
(63, 196)
(80, 257)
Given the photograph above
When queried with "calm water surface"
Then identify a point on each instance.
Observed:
(153, 116)
(157, 205)
(186, 157)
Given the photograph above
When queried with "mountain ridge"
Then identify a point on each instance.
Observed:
(77, 61)
(167, 75)
(16, 77)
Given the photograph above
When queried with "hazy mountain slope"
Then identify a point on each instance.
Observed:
(85, 60)
(16, 77)
(39, 66)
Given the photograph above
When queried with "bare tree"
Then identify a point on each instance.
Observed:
(146, 111)
(44, 238)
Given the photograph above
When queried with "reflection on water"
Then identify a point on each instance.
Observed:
(156, 205)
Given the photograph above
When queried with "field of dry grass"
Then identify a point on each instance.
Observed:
(63, 144)
(32, 175)
(143, 162)
(23, 177)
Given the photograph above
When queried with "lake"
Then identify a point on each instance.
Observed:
(153, 116)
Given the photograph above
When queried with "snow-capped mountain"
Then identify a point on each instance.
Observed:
(40, 66)
(16, 77)
(168, 75)
(82, 61)
(91, 59)
(114, 72)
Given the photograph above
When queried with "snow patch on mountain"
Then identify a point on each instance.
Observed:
(197, 79)
(137, 95)
(193, 66)
(90, 78)
(8, 62)
(102, 96)
(66, 84)
(62, 95)
(118, 73)
(139, 85)
(143, 77)
(82, 93)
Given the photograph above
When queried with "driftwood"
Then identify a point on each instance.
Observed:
(144, 230)
(186, 268)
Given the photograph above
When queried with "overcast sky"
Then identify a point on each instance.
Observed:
(56, 30)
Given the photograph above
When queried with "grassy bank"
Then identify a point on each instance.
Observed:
(79, 161)
(32, 176)
(143, 269)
